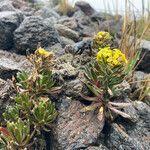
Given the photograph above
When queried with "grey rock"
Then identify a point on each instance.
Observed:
(32, 31)
(78, 14)
(141, 86)
(51, 20)
(113, 26)
(129, 136)
(137, 77)
(20, 4)
(83, 45)
(85, 7)
(67, 58)
(145, 63)
(27, 11)
(86, 27)
(79, 47)
(70, 69)
(73, 88)
(13, 5)
(85, 21)
(11, 63)
(130, 110)
(9, 21)
(101, 147)
(145, 44)
(7, 6)
(47, 12)
(143, 111)
(99, 16)
(66, 41)
(6, 91)
(123, 88)
(73, 63)
(69, 22)
(81, 61)
(57, 49)
(88, 31)
(66, 70)
(66, 32)
(75, 130)
(119, 140)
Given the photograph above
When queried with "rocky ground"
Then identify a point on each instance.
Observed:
(23, 27)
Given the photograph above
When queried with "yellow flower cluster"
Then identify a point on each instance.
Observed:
(113, 57)
(101, 39)
(43, 52)
(103, 34)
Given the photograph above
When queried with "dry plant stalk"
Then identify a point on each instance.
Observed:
(145, 88)
(130, 41)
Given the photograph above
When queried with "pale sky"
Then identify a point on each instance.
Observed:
(100, 5)
(111, 5)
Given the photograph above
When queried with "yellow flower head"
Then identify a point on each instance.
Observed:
(101, 39)
(43, 52)
(113, 57)
(103, 34)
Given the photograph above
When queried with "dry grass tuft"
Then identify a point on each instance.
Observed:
(64, 7)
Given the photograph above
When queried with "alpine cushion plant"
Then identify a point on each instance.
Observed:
(17, 135)
(102, 76)
(33, 111)
(41, 79)
(42, 60)
(44, 113)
